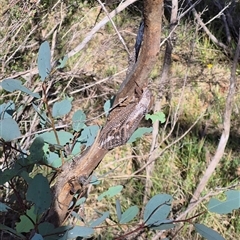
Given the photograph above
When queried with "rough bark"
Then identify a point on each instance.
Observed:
(71, 178)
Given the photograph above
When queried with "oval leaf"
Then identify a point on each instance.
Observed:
(49, 137)
(100, 220)
(207, 232)
(139, 133)
(9, 129)
(232, 202)
(39, 193)
(44, 60)
(61, 108)
(157, 208)
(112, 191)
(129, 214)
(11, 85)
(78, 120)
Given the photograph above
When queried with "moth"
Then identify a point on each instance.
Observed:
(118, 131)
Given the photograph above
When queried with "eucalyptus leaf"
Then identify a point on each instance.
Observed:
(112, 191)
(11, 85)
(7, 109)
(44, 60)
(223, 207)
(129, 214)
(207, 232)
(9, 129)
(157, 208)
(61, 108)
(39, 193)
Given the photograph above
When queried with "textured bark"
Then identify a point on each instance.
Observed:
(71, 178)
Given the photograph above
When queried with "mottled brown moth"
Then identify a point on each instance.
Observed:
(118, 131)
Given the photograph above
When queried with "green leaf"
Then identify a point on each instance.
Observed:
(45, 228)
(107, 105)
(39, 193)
(63, 136)
(36, 150)
(78, 231)
(94, 180)
(78, 120)
(10, 230)
(80, 201)
(25, 224)
(37, 237)
(232, 202)
(62, 62)
(7, 109)
(118, 209)
(7, 174)
(11, 85)
(112, 191)
(160, 116)
(88, 135)
(129, 214)
(157, 209)
(139, 133)
(44, 60)
(207, 232)
(4, 207)
(53, 159)
(100, 220)
(61, 108)
(9, 129)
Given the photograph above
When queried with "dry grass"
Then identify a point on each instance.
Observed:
(207, 72)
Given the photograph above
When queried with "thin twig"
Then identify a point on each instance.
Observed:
(114, 26)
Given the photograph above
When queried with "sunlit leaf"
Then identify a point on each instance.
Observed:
(9, 129)
(61, 108)
(139, 133)
(88, 135)
(44, 60)
(112, 191)
(78, 120)
(7, 109)
(63, 136)
(11, 85)
(223, 207)
(129, 214)
(62, 62)
(160, 116)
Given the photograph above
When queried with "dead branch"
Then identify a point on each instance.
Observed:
(71, 178)
(211, 36)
